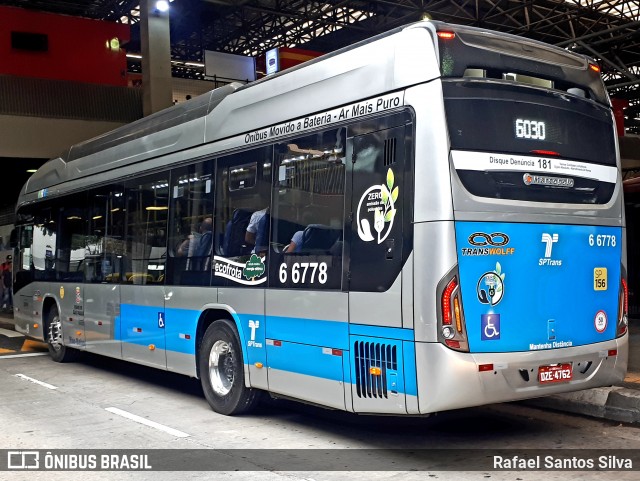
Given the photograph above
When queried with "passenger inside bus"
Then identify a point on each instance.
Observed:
(252, 228)
(316, 239)
(197, 247)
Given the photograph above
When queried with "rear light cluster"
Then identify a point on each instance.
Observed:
(623, 305)
(445, 35)
(452, 330)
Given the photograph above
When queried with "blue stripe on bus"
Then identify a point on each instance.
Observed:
(384, 332)
(409, 364)
(307, 360)
(303, 340)
(179, 324)
(309, 331)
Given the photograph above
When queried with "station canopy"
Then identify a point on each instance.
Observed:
(608, 30)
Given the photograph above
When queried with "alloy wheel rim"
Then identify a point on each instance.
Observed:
(221, 367)
(55, 333)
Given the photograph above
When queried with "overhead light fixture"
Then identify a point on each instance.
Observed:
(162, 6)
(113, 44)
(32, 171)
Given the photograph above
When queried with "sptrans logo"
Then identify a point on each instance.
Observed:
(549, 240)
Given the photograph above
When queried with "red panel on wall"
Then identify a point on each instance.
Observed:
(290, 57)
(76, 48)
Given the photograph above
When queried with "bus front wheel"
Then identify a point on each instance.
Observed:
(222, 371)
(57, 350)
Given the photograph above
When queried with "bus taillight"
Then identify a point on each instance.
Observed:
(446, 301)
(446, 35)
(452, 329)
(546, 152)
(623, 306)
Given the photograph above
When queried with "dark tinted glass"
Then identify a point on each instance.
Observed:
(495, 117)
(509, 119)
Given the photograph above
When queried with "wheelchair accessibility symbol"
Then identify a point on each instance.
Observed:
(490, 327)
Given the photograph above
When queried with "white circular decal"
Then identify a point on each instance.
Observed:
(377, 204)
(600, 321)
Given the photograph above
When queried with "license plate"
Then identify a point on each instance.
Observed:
(555, 373)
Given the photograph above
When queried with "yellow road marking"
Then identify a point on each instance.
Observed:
(33, 346)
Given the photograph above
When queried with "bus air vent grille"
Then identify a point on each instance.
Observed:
(370, 355)
(389, 151)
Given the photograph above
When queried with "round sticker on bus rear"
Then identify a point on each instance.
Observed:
(600, 321)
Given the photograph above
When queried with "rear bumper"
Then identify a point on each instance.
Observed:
(449, 379)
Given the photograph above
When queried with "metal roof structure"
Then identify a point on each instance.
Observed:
(608, 30)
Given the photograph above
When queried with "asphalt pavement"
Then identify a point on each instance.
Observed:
(620, 402)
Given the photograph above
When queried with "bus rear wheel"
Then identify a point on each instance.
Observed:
(57, 350)
(221, 371)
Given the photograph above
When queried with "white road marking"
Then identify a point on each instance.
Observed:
(8, 333)
(146, 422)
(26, 354)
(35, 381)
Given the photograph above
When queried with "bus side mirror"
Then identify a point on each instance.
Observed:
(13, 239)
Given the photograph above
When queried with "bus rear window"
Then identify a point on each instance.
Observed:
(505, 138)
(484, 116)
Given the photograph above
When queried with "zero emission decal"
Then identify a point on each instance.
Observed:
(377, 207)
(527, 287)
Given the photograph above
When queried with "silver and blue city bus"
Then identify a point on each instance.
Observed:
(428, 220)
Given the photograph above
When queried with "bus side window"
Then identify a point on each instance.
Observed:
(72, 232)
(242, 207)
(308, 212)
(43, 247)
(190, 225)
(146, 202)
(105, 243)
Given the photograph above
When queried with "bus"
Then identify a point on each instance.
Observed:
(428, 220)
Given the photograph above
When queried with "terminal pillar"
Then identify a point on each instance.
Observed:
(156, 58)
(618, 112)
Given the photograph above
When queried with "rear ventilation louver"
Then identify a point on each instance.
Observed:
(389, 151)
(373, 354)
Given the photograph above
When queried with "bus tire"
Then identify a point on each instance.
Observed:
(221, 371)
(57, 350)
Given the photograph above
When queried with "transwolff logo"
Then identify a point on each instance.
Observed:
(549, 240)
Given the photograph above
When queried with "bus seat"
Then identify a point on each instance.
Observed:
(318, 238)
(234, 243)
